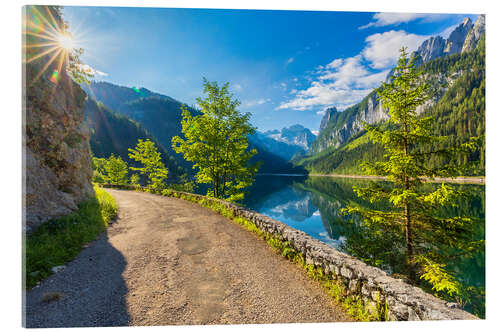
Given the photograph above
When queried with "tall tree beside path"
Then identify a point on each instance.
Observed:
(153, 168)
(116, 170)
(217, 142)
(416, 210)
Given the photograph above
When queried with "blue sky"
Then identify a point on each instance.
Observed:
(286, 67)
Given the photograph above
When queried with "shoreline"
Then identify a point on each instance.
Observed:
(461, 179)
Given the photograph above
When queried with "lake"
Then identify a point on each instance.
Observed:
(313, 205)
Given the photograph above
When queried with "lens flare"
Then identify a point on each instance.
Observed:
(47, 40)
(36, 24)
(54, 77)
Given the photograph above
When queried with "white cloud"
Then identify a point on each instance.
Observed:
(315, 132)
(382, 49)
(345, 81)
(321, 94)
(101, 73)
(89, 70)
(334, 64)
(385, 19)
(237, 87)
(290, 60)
(346, 72)
(372, 80)
(252, 103)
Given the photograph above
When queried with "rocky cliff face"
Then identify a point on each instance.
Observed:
(337, 127)
(463, 39)
(474, 34)
(341, 126)
(56, 156)
(326, 118)
(431, 48)
(456, 40)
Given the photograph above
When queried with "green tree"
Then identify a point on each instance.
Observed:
(116, 170)
(134, 179)
(98, 164)
(217, 142)
(414, 211)
(152, 166)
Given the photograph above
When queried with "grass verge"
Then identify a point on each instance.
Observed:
(60, 240)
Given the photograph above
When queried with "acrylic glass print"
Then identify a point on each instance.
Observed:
(206, 166)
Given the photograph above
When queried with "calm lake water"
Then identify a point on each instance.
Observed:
(313, 204)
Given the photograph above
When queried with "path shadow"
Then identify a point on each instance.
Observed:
(93, 291)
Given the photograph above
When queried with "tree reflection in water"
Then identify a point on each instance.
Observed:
(314, 205)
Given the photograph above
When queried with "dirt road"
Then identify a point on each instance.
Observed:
(166, 261)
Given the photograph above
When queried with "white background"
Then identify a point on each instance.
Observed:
(10, 176)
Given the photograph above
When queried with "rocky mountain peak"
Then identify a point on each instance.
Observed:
(455, 42)
(326, 117)
(431, 48)
(464, 36)
(474, 34)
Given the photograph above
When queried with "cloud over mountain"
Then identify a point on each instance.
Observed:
(385, 19)
(344, 81)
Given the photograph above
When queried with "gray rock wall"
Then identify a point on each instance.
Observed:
(404, 302)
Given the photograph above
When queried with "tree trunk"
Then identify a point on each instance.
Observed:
(408, 226)
(409, 244)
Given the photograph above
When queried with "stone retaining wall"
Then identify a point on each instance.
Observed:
(404, 302)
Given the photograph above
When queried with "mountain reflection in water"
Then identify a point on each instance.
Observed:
(313, 205)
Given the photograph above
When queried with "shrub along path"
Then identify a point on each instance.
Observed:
(166, 261)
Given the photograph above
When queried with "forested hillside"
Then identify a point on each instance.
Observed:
(459, 113)
(160, 116)
(114, 133)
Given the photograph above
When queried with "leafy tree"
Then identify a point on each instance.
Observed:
(184, 185)
(116, 170)
(98, 164)
(152, 166)
(217, 142)
(134, 179)
(414, 211)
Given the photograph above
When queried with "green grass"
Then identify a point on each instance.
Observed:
(60, 240)
(333, 285)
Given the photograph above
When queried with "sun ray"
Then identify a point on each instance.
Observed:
(29, 46)
(56, 25)
(56, 54)
(49, 39)
(55, 29)
(45, 35)
(67, 62)
(52, 49)
(60, 63)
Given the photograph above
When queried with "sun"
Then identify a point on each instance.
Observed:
(66, 41)
(47, 38)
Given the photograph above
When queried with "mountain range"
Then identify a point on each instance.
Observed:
(454, 69)
(287, 143)
(118, 116)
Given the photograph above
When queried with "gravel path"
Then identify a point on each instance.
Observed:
(166, 261)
